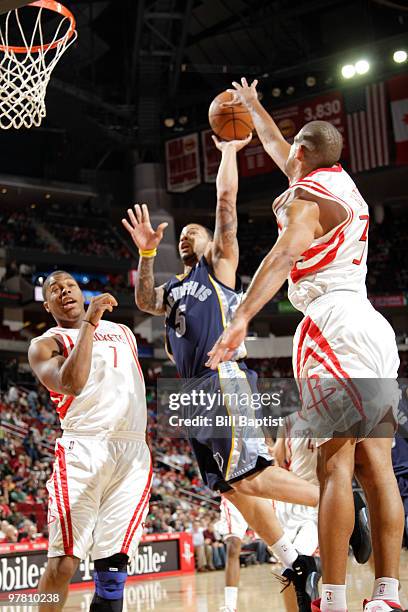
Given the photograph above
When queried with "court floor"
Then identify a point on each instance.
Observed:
(259, 591)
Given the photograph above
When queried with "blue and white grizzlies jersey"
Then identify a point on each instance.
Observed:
(198, 308)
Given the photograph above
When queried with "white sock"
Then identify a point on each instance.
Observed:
(386, 588)
(333, 598)
(285, 551)
(231, 597)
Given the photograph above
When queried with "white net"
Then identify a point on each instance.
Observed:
(25, 71)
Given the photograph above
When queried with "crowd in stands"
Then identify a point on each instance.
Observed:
(17, 229)
(89, 232)
(387, 252)
(28, 429)
(80, 235)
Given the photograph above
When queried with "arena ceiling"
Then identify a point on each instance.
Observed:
(135, 62)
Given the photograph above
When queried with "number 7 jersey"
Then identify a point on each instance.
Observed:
(337, 260)
(113, 398)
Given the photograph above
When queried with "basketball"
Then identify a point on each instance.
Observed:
(229, 122)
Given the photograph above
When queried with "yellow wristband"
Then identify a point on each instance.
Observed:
(148, 253)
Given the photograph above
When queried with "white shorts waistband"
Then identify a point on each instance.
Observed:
(335, 295)
(105, 435)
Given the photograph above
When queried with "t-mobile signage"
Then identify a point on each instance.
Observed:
(21, 568)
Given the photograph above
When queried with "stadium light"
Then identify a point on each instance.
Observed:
(276, 92)
(400, 56)
(169, 122)
(311, 81)
(290, 90)
(348, 71)
(362, 66)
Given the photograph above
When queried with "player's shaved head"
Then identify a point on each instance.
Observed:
(322, 143)
(51, 278)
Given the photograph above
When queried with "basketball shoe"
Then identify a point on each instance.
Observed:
(380, 605)
(304, 575)
(360, 540)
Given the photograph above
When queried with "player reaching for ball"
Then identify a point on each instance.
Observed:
(322, 251)
(197, 305)
(100, 487)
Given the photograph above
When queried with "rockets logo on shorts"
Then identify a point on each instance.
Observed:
(329, 596)
(51, 518)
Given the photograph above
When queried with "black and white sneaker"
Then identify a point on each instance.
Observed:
(360, 540)
(304, 575)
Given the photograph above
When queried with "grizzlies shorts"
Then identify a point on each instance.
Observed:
(227, 445)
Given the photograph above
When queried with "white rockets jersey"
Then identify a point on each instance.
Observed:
(301, 454)
(337, 260)
(114, 398)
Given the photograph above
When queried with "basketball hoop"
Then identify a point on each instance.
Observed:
(25, 70)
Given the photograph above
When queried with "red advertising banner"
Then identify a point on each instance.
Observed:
(398, 93)
(212, 156)
(254, 160)
(182, 163)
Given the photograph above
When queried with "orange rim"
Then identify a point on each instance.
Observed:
(51, 5)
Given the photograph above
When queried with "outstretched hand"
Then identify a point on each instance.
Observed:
(229, 341)
(140, 228)
(237, 145)
(242, 94)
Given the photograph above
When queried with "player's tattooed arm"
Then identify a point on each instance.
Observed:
(224, 250)
(148, 297)
(268, 132)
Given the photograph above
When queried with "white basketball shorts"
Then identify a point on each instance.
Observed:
(98, 495)
(345, 360)
(231, 523)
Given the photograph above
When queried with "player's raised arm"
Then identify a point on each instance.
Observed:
(269, 133)
(147, 297)
(224, 248)
(69, 375)
(301, 227)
